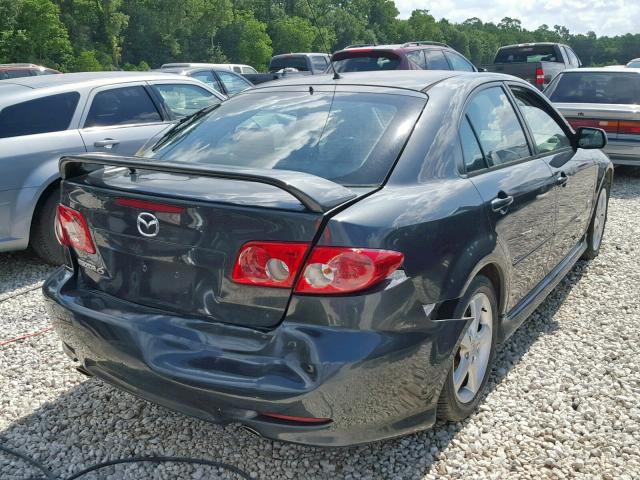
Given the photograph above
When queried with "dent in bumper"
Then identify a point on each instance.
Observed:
(373, 384)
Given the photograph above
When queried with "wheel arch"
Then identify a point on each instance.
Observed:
(42, 197)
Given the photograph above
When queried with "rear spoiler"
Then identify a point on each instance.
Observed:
(317, 194)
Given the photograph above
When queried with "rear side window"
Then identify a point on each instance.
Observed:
(184, 100)
(365, 61)
(122, 106)
(350, 138)
(528, 54)
(473, 157)
(458, 62)
(417, 57)
(43, 115)
(207, 78)
(498, 129)
(237, 69)
(248, 70)
(596, 87)
(233, 83)
(436, 60)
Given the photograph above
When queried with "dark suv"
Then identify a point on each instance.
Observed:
(19, 70)
(408, 56)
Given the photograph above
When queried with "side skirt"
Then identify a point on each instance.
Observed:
(516, 317)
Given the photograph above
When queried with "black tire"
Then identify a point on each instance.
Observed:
(593, 244)
(450, 407)
(43, 238)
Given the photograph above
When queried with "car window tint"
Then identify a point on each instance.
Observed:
(207, 78)
(634, 64)
(350, 138)
(473, 157)
(319, 63)
(597, 87)
(42, 115)
(233, 83)
(458, 62)
(365, 62)
(122, 106)
(237, 69)
(280, 63)
(548, 135)
(417, 57)
(527, 54)
(248, 70)
(573, 58)
(18, 73)
(497, 126)
(436, 60)
(184, 100)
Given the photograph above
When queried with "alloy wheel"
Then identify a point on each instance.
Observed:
(472, 358)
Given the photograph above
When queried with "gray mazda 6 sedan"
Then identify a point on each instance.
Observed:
(327, 261)
(44, 117)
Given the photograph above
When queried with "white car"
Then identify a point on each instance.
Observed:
(234, 67)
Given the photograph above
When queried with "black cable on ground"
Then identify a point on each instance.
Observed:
(192, 461)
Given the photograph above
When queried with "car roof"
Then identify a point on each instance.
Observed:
(305, 54)
(415, 80)
(394, 46)
(86, 78)
(184, 70)
(532, 44)
(609, 69)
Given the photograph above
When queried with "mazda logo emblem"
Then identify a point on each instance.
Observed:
(148, 225)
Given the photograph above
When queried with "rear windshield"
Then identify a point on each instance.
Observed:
(596, 87)
(350, 138)
(365, 61)
(279, 63)
(537, 53)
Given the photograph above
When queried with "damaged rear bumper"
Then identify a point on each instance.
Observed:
(372, 384)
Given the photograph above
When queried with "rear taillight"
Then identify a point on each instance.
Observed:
(629, 127)
(72, 230)
(539, 76)
(328, 270)
(609, 126)
(346, 270)
(270, 264)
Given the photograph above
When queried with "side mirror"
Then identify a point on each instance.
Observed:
(482, 70)
(591, 138)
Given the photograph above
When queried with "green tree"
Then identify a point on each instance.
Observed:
(245, 40)
(292, 34)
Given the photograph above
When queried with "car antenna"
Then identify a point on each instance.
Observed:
(336, 75)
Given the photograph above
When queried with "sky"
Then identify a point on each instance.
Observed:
(605, 17)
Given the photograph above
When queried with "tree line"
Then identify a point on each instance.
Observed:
(88, 35)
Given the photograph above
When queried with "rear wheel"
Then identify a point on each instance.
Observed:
(43, 239)
(472, 361)
(596, 228)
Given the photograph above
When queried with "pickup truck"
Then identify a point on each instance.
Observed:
(291, 64)
(537, 63)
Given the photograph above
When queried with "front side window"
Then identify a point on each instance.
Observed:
(185, 100)
(548, 135)
(42, 115)
(350, 138)
(436, 60)
(458, 62)
(319, 63)
(497, 127)
(233, 83)
(122, 106)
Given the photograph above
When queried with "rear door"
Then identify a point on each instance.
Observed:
(517, 187)
(121, 118)
(574, 172)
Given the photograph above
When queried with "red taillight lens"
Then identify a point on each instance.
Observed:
(629, 127)
(539, 76)
(270, 264)
(72, 230)
(609, 126)
(346, 270)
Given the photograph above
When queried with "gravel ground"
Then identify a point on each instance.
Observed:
(563, 400)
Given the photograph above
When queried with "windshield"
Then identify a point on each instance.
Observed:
(349, 138)
(537, 53)
(365, 61)
(596, 87)
(280, 63)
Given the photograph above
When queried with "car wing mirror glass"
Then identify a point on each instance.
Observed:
(591, 138)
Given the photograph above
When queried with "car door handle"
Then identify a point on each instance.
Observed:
(106, 143)
(501, 202)
(562, 179)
